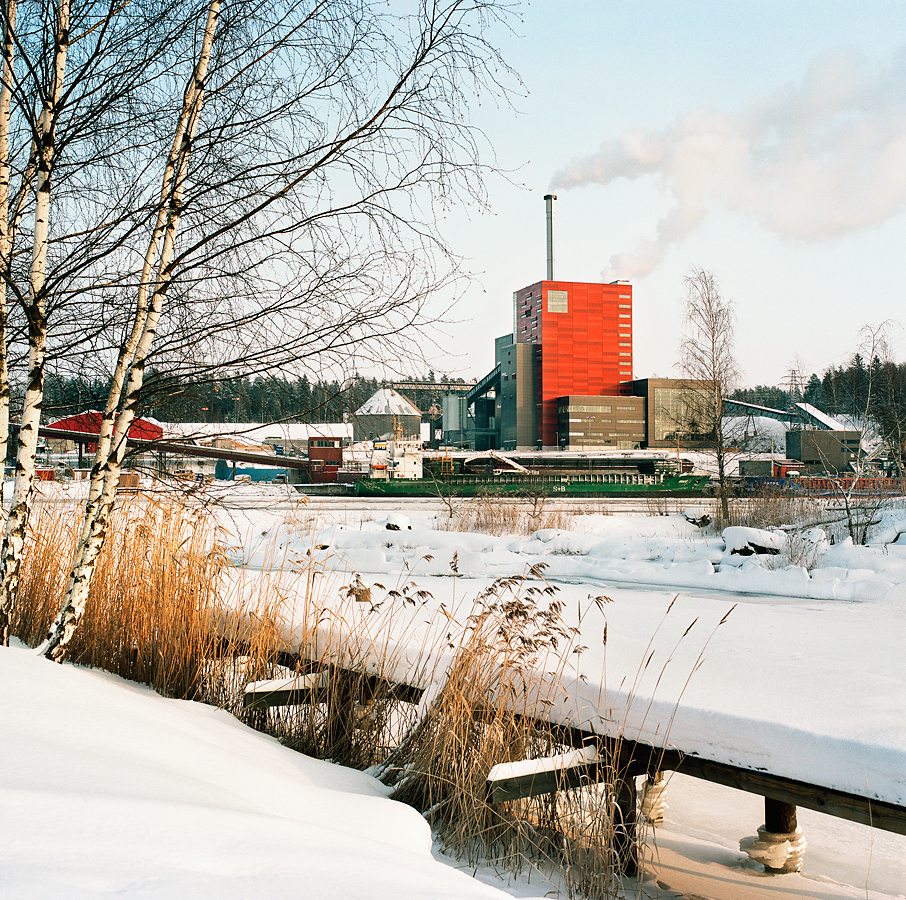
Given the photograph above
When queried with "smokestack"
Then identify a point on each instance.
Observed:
(549, 200)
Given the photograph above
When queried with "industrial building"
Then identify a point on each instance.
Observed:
(582, 339)
(385, 415)
(823, 451)
(562, 380)
(672, 407)
(592, 422)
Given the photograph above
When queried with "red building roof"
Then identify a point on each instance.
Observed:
(89, 422)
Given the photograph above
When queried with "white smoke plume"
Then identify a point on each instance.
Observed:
(813, 161)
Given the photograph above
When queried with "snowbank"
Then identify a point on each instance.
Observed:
(110, 790)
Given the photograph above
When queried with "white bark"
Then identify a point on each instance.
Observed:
(9, 25)
(17, 520)
(129, 375)
(188, 118)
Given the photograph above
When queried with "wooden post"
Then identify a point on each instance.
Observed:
(624, 836)
(344, 689)
(780, 845)
(654, 801)
(779, 817)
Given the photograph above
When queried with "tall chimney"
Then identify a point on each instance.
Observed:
(549, 200)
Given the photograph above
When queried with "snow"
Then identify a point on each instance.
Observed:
(738, 539)
(827, 421)
(387, 402)
(294, 683)
(583, 756)
(126, 792)
(781, 684)
(110, 790)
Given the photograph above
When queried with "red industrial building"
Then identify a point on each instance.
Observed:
(583, 338)
(90, 423)
(561, 378)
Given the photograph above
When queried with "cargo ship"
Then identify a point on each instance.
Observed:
(398, 470)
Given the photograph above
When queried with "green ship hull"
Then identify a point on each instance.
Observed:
(530, 486)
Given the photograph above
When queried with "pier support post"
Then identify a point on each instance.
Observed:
(780, 845)
(654, 800)
(625, 833)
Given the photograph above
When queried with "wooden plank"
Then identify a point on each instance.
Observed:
(517, 788)
(875, 813)
(629, 759)
(510, 781)
(294, 691)
(514, 781)
(305, 693)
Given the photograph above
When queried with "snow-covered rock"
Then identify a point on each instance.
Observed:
(396, 521)
(697, 516)
(747, 541)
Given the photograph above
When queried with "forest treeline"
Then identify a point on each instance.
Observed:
(876, 390)
(263, 399)
(841, 390)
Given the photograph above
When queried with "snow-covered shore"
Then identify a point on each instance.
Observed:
(108, 789)
(801, 680)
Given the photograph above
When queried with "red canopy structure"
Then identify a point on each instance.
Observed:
(89, 422)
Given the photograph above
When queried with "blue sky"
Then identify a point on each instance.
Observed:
(765, 142)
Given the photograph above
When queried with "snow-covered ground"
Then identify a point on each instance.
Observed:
(111, 789)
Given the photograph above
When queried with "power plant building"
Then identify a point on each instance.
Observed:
(570, 350)
(583, 338)
(563, 380)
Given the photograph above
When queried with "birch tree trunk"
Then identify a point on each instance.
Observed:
(17, 520)
(99, 471)
(709, 364)
(9, 25)
(124, 394)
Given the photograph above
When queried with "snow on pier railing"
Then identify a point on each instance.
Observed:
(581, 757)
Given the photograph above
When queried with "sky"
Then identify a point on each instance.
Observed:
(765, 143)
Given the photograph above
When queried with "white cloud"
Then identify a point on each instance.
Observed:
(813, 161)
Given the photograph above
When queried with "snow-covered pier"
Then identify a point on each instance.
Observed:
(796, 696)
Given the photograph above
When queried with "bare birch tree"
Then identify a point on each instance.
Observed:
(56, 129)
(855, 490)
(295, 215)
(709, 368)
(42, 161)
(126, 383)
(8, 25)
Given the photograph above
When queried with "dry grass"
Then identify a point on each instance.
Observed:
(148, 613)
(769, 509)
(158, 613)
(505, 674)
(499, 514)
(166, 609)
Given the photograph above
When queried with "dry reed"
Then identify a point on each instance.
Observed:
(148, 613)
(492, 707)
(499, 514)
(157, 614)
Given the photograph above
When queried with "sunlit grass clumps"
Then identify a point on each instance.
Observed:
(167, 609)
(149, 612)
